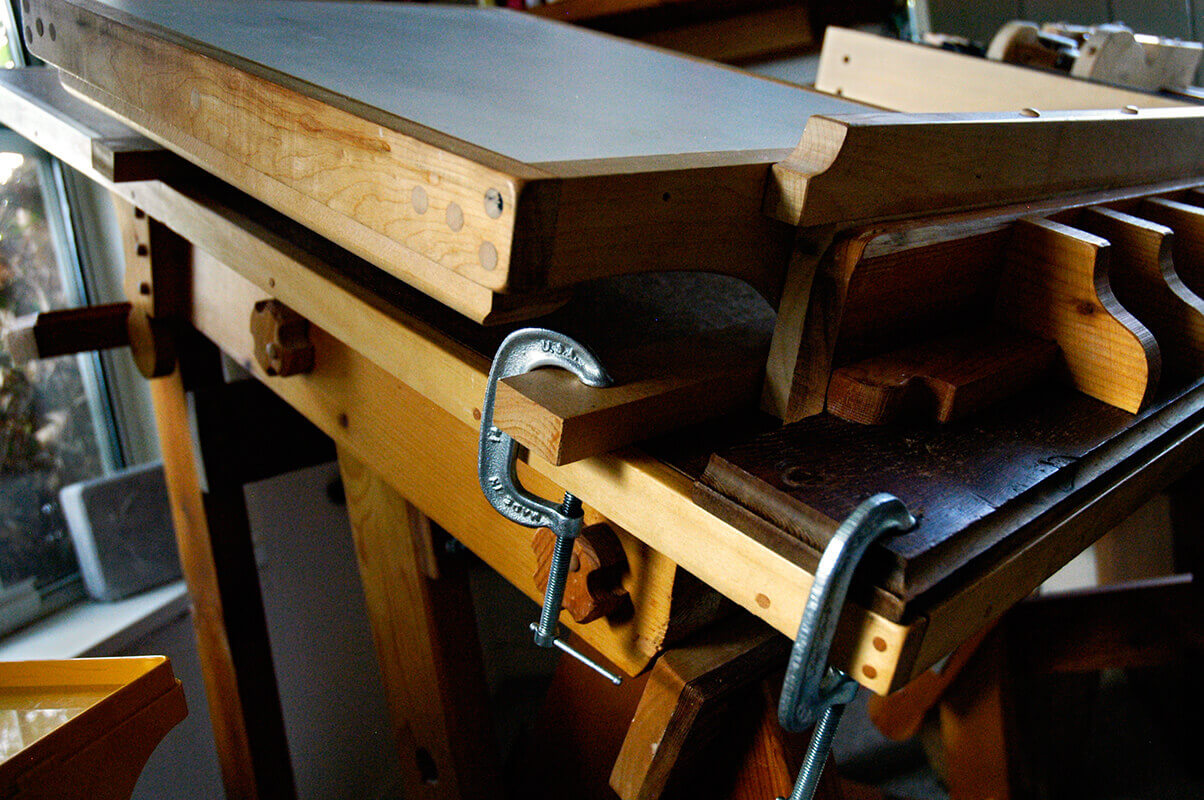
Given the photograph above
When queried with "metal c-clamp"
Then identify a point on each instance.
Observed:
(814, 693)
(520, 352)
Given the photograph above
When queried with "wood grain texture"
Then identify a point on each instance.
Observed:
(852, 294)
(427, 196)
(426, 645)
(658, 389)
(426, 454)
(1055, 284)
(687, 702)
(984, 489)
(854, 169)
(1187, 222)
(1145, 281)
(919, 79)
(212, 537)
(940, 380)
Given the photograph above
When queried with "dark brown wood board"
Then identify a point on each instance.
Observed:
(979, 487)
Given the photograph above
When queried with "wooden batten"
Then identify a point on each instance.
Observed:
(1145, 282)
(659, 388)
(1055, 285)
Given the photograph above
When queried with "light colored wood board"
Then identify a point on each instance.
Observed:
(426, 644)
(417, 211)
(1055, 285)
(863, 168)
(919, 79)
(563, 94)
(659, 389)
(1145, 282)
(36, 106)
(428, 456)
(424, 211)
(1187, 221)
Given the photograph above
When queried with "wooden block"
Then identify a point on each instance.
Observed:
(122, 159)
(75, 330)
(681, 708)
(1145, 282)
(1055, 285)
(1187, 221)
(949, 378)
(659, 388)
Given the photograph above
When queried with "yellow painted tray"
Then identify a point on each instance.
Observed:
(83, 728)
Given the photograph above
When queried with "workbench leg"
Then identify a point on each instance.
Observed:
(232, 639)
(425, 630)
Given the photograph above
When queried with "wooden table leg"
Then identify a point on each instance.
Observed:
(426, 641)
(232, 639)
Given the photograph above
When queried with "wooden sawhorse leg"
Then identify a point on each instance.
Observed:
(232, 639)
(426, 641)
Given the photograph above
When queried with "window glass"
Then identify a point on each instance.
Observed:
(47, 438)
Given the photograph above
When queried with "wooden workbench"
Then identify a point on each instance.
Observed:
(371, 213)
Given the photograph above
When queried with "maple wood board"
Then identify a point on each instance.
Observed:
(468, 151)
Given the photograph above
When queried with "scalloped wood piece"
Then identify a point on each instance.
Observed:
(1055, 285)
(1144, 279)
(940, 380)
(1187, 221)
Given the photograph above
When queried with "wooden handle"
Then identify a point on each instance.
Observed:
(593, 589)
(58, 333)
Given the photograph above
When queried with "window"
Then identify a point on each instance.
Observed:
(57, 421)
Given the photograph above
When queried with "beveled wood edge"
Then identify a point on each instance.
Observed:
(850, 169)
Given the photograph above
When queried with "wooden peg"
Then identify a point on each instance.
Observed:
(81, 330)
(76, 330)
(1055, 285)
(593, 589)
(1145, 281)
(282, 345)
(1187, 221)
(941, 380)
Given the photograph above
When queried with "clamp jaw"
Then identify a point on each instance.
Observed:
(814, 693)
(520, 352)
